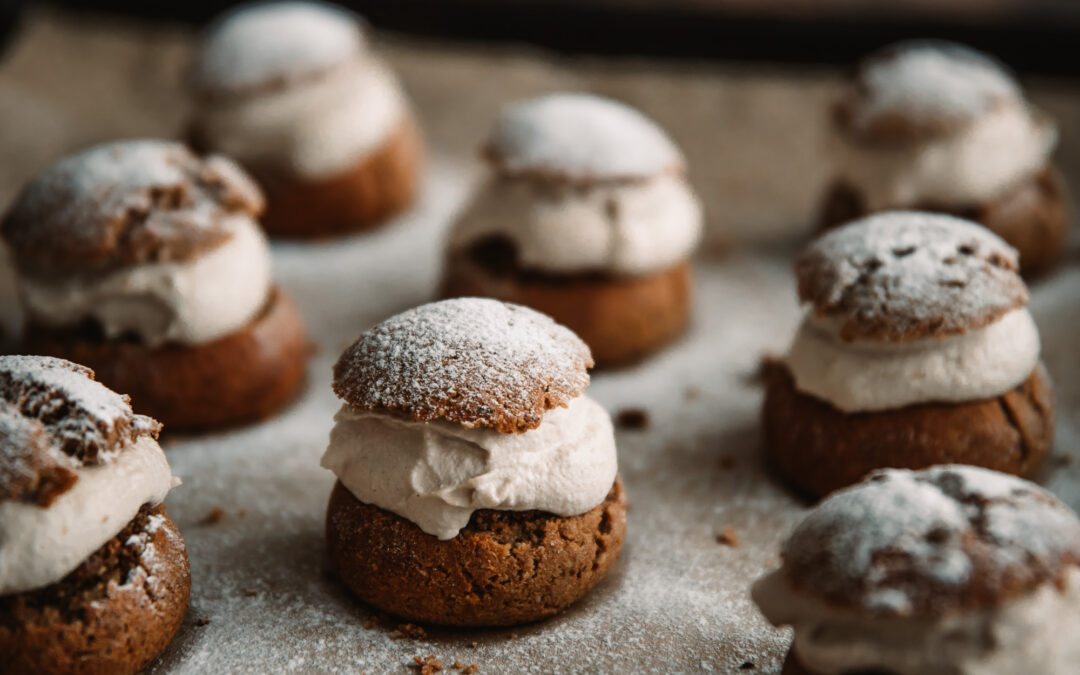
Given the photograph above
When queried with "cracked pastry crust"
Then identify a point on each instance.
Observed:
(115, 613)
(126, 203)
(504, 568)
(817, 448)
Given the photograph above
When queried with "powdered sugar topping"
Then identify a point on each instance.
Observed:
(938, 82)
(474, 361)
(264, 43)
(907, 543)
(906, 275)
(83, 419)
(127, 202)
(580, 137)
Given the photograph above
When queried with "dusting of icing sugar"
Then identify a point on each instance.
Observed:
(906, 542)
(931, 79)
(580, 138)
(261, 43)
(474, 361)
(905, 275)
(84, 418)
(127, 202)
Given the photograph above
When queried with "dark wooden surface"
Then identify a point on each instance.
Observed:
(1032, 35)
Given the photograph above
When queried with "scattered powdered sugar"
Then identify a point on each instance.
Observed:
(906, 542)
(928, 79)
(154, 523)
(906, 275)
(126, 202)
(580, 137)
(475, 361)
(264, 43)
(83, 418)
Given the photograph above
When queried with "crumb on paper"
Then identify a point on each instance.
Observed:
(241, 513)
(729, 537)
(458, 665)
(632, 419)
(250, 592)
(727, 462)
(202, 621)
(408, 630)
(472, 645)
(692, 393)
(749, 665)
(427, 664)
(472, 668)
(213, 516)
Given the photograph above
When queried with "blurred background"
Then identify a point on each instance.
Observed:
(742, 85)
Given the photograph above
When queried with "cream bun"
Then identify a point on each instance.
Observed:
(146, 263)
(293, 92)
(93, 574)
(953, 569)
(586, 216)
(466, 445)
(918, 349)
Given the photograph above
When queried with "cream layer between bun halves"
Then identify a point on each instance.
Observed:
(584, 184)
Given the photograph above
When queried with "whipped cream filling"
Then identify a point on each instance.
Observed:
(626, 227)
(1036, 633)
(314, 128)
(40, 546)
(866, 375)
(436, 474)
(1000, 149)
(188, 302)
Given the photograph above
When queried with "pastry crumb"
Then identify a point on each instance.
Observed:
(747, 666)
(471, 669)
(729, 537)
(472, 645)
(250, 592)
(458, 665)
(408, 630)
(213, 516)
(632, 419)
(427, 664)
(202, 621)
(692, 393)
